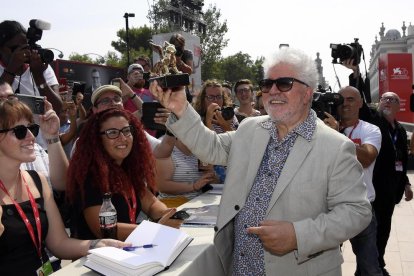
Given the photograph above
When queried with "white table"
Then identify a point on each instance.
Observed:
(199, 258)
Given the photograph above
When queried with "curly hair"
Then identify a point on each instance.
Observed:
(91, 160)
(200, 101)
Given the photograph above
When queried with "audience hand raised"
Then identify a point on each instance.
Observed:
(49, 122)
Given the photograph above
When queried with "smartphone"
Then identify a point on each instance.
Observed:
(78, 87)
(182, 215)
(117, 83)
(148, 113)
(35, 103)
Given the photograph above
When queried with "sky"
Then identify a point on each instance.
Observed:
(254, 27)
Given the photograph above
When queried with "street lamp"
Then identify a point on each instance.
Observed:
(60, 52)
(101, 59)
(126, 16)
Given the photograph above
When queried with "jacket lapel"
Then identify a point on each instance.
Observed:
(293, 163)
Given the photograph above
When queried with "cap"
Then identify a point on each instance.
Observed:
(135, 66)
(104, 88)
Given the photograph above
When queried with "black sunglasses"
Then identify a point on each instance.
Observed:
(282, 84)
(20, 131)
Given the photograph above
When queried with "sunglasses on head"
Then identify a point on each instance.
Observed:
(282, 84)
(20, 131)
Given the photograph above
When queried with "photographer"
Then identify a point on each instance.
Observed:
(22, 67)
(390, 172)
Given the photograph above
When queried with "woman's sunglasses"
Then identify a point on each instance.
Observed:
(20, 131)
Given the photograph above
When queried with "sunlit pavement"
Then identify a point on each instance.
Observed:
(399, 255)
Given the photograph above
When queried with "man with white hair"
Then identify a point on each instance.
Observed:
(294, 189)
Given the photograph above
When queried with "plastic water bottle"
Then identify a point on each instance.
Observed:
(108, 218)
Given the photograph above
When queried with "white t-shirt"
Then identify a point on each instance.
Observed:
(366, 133)
(27, 85)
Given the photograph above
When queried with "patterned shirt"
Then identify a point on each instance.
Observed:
(248, 255)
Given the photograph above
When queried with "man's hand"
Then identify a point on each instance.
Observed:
(278, 237)
(331, 122)
(408, 193)
(161, 116)
(175, 101)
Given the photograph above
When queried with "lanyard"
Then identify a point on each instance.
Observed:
(352, 130)
(25, 219)
(132, 210)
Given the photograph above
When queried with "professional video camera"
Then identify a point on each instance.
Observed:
(347, 51)
(326, 101)
(34, 33)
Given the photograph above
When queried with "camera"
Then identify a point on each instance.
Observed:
(35, 103)
(34, 33)
(347, 51)
(227, 112)
(326, 101)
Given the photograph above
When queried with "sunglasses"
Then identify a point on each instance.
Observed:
(114, 133)
(20, 131)
(282, 84)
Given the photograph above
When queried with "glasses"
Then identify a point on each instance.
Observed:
(243, 90)
(212, 97)
(114, 133)
(389, 100)
(20, 131)
(107, 101)
(11, 98)
(282, 84)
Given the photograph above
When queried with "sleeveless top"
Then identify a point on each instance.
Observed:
(18, 255)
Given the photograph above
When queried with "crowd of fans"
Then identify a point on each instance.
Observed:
(72, 156)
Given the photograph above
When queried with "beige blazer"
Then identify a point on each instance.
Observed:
(320, 190)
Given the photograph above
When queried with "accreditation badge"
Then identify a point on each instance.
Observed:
(45, 270)
(398, 166)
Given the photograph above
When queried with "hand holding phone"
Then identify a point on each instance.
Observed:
(182, 215)
(116, 83)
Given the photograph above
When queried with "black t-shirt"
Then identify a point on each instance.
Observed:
(18, 255)
(93, 197)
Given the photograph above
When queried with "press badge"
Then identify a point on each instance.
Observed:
(45, 270)
(398, 166)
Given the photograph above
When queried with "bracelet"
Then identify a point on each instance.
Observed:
(169, 133)
(133, 96)
(10, 73)
(52, 140)
(93, 243)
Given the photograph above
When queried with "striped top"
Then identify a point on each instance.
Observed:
(185, 170)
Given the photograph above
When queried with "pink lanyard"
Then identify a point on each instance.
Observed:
(132, 210)
(25, 219)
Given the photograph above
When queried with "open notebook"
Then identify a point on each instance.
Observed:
(142, 261)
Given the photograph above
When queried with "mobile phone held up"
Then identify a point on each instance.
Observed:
(149, 109)
(35, 103)
(116, 83)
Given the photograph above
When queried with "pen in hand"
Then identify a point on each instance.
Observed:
(132, 248)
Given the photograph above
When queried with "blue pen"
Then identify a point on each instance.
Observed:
(132, 248)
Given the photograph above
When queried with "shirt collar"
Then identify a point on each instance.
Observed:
(304, 129)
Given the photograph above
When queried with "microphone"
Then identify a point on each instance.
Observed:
(40, 24)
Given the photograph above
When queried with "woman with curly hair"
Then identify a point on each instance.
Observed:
(209, 104)
(115, 158)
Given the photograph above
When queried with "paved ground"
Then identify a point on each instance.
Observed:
(399, 255)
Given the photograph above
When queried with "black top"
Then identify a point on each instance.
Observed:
(18, 255)
(94, 197)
